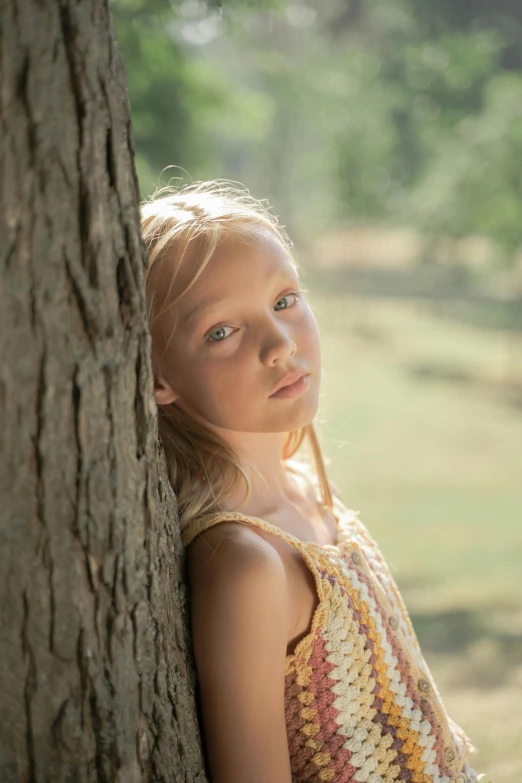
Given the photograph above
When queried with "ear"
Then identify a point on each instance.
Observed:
(163, 392)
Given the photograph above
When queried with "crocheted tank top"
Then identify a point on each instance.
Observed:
(360, 701)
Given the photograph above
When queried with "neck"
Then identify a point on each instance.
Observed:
(271, 485)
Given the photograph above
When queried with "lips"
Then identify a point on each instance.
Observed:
(289, 378)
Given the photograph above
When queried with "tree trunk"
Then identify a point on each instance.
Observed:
(96, 669)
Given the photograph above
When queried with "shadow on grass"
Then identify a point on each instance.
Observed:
(485, 656)
(370, 333)
(447, 292)
(509, 392)
(429, 371)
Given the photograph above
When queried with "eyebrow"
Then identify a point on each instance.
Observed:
(204, 309)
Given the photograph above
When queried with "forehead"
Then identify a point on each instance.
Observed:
(235, 266)
(261, 256)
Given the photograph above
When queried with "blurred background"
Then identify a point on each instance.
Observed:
(387, 134)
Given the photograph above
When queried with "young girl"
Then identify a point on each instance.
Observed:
(308, 666)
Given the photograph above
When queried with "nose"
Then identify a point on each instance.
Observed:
(277, 347)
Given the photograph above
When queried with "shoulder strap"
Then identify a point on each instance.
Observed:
(317, 562)
(197, 526)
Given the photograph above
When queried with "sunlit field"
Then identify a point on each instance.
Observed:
(421, 418)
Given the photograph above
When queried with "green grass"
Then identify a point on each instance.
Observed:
(422, 423)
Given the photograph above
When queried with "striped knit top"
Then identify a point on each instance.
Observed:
(360, 701)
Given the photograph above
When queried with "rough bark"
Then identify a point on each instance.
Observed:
(96, 670)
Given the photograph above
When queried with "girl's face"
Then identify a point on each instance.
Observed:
(240, 329)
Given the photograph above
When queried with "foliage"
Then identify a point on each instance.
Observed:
(395, 111)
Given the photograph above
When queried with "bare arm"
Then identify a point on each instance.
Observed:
(240, 621)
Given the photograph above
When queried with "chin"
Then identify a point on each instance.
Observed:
(292, 415)
(295, 420)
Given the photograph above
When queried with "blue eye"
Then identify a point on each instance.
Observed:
(286, 297)
(222, 337)
(218, 329)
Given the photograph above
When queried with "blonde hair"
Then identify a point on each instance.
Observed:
(191, 221)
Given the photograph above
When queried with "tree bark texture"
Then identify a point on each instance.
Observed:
(96, 671)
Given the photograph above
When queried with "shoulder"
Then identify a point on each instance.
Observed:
(240, 620)
(230, 564)
(239, 596)
(230, 545)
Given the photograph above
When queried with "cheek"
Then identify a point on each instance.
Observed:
(311, 334)
(217, 384)
(224, 396)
